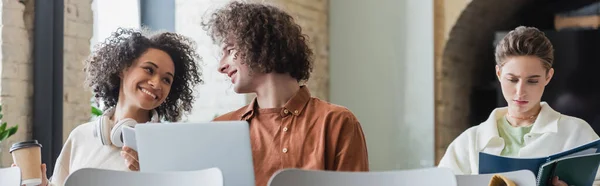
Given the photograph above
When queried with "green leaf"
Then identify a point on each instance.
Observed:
(0, 108)
(1, 115)
(13, 130)
(96, 111)
(3, 127)
(3, 135)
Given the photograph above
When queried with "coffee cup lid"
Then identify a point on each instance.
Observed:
(24, 144)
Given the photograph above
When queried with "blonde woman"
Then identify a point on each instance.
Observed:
(527, 127)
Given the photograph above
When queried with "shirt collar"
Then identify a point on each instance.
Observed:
(294, 106)
(546, 122)
(249, 111)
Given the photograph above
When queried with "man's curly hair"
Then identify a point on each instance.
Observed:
(124, 46)
(266, 38)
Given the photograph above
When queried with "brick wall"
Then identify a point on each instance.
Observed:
(16, 82)
(78, 20)
(16, 88)
(216, 96)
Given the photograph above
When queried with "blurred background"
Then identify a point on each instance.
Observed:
(416, 73)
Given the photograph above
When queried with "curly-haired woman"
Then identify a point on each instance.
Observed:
(141, 78)
(265, 52)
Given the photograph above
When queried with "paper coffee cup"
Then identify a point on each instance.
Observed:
(27, 156)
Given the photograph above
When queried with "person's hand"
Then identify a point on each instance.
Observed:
(44, 176)
(131, 158)
(558, 182)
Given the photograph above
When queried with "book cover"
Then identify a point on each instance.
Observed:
(489, 163)
(573, 170)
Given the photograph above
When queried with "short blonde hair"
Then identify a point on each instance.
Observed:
(525, 41)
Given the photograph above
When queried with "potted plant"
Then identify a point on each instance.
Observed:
(5, 133)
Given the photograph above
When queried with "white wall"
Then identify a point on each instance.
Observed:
(106, 21)
(216, 96)
(381, 68)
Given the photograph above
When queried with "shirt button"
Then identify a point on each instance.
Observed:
(284, 150)
(286, 111)
(285, 129)
(296, 112)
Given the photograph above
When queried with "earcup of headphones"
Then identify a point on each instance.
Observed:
(108, 136)
(116, 134)
(102, 129)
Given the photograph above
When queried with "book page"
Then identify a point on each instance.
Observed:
(583, 152)
(580, 150)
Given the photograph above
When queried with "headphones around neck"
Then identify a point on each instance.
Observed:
(108, 136)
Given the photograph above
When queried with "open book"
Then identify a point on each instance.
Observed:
(577, 166)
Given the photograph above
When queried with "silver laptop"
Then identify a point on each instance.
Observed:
(194, 146)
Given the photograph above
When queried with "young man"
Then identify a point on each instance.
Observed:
(265, 52)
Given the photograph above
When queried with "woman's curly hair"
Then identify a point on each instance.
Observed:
(124, 46)
(266, 38)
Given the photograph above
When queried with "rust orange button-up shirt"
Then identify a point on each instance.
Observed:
(306, 133)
